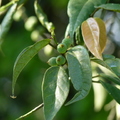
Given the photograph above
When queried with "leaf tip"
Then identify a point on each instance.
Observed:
(13, 96)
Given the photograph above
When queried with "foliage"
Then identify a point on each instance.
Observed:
(72, 65)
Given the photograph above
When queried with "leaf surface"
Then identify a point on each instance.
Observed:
(55, 90)
(112, 90)
(114, 64)
(79, 71)
(43, 18)
(24, 57)
(94, 34)
(103, 35)
(110, 6)
(78, 11)
(110, 78)
(7, 21)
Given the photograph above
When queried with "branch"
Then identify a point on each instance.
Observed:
(95, 81)
(95, 76)
(33, 110)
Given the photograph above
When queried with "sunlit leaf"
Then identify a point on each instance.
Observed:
(7, 21)
(80, 10)
(94, 35)
(103, 35)
(55, 91)
(112, 90)
(110, 6)
(43, 18)
(24, 57)
(79, 71)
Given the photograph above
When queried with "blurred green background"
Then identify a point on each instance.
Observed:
(28, 88)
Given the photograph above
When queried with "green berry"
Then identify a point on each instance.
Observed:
(61, 48)
(52, 61)
(60, 60)
(67, 42)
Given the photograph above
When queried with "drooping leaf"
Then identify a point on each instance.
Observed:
(78, 11)
(114, 64)
(43, 18)
(110, 6)
(110, 78)
(24, 57)
(101, 62)
(79, 71)
(7, 21)
(112, 90)
(55, 90)
(94, 35)
(5, 7)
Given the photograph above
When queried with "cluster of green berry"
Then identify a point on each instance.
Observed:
(61, 48)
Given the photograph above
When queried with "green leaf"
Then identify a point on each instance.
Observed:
(7, 21)
(94, 35)
(55, 90)
(107, 56)
(110, 6)
(5, 7)
(79, 71)
(111, 63)
(101, 62)
(110, 78)
(112, 90)
(75, 71)
(114, 64)
(24, 57)
(78, 11)
(43, 18)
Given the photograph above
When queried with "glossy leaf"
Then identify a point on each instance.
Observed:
(7, 21)
(43, 18)
(24, 57)
(79, 71)
(110, 6)
(78, 11)
(94, 35)
(112, 90)
(55, 91)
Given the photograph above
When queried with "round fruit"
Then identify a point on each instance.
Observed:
(52, 61)
(60, 60)
(61, 48)
(67, 42)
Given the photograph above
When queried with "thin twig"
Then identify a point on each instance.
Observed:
(95, 81)
(33, 110)
(52, 46)
(96, 76)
